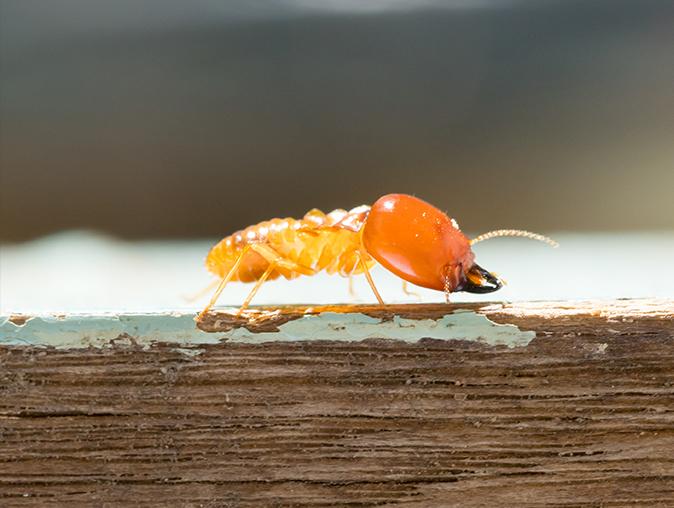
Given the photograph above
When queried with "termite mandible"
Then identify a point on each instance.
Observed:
(407, 236)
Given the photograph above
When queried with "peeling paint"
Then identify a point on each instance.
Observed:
(461, 325)
(19, 319)
(79, 331)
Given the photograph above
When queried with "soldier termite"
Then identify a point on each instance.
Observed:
(409, 237)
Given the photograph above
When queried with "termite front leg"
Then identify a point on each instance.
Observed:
(408, 292)
(366, 271)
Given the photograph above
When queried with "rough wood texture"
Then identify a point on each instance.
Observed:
(584, 415)
(529, 314)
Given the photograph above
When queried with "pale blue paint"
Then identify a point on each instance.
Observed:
(79, 331)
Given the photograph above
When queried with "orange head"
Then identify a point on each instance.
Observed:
(421, 245)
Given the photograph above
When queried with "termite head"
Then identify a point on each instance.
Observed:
(422, 245)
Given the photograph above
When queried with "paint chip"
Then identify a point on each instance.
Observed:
(19, 319)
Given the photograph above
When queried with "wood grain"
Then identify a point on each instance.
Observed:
(582, 416)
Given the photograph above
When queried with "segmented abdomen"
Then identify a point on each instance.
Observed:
(318, 241)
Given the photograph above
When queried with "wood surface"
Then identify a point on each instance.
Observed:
(581, 416)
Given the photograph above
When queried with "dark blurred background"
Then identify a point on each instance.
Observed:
(193, 118)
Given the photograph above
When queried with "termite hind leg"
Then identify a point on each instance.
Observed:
(215, 296)
(223, 283)
(407, 291)
(369, 279)
(255, 289)
(194, 297)
(275, 260)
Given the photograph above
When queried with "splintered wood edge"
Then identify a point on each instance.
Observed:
(531, 315)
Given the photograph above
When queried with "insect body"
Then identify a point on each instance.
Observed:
(408, 236)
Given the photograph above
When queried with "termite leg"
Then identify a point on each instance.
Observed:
(194, 297)
(224, 282)
(369, 279)
(407, 291)
(352, 292)
(255, 289)
(272, 256)
(275, 260)
(448, 287)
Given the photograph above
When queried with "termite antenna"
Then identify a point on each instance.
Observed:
(514, 232)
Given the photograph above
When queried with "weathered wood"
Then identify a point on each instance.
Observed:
(583, 415)
(528, 314)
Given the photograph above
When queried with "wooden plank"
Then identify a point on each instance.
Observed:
(531, 315)
(581, 415)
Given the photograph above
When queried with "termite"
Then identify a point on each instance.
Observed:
(407, 236)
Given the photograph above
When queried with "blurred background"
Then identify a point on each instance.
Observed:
(168, 119)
